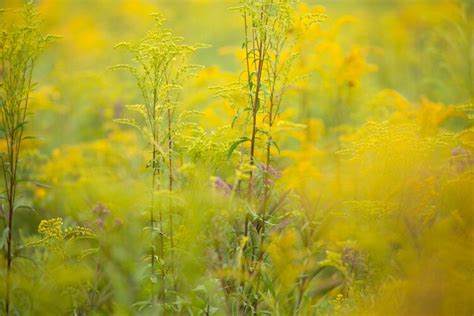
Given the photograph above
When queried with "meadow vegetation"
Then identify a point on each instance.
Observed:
(283, 157)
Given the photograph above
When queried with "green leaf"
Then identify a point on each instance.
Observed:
(259, 130)
(3, 240)
(142, 305)
(235, 144)
(200, 288)
(32, 138)
(25, 258)
(41, 184)
(27, 207)
(20, 125)
(236, 117)
(212, 310)
(276, 145)
(257, 105)
(36, 182)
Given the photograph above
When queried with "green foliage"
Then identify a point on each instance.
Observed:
(20, 46)
(319, 165)
(160, 68)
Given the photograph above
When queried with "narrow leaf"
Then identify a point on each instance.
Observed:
(235, 144)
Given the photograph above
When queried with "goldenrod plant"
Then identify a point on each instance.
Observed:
(161, 65)
(20, 47)
(269, 53)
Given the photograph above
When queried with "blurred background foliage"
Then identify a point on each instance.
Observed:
(376, 155)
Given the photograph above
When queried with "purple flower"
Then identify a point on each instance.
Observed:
(461, 159)
(222, 186)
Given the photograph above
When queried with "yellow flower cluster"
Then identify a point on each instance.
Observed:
(51, 228)
(77, 232)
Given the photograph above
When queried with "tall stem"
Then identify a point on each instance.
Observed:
(261, 58)
(13, 119)
(170, 187)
